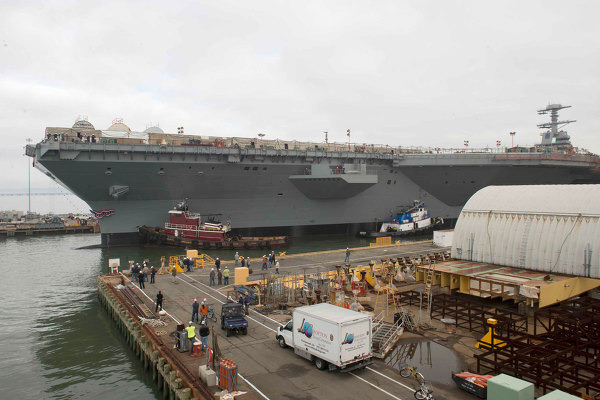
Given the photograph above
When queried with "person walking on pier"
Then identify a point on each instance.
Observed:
(277, 267)
(248, 262)
(145, 271)
(264, 264)
(204, 311)
(243, 262)
(219, 277)
(274, 257)
(152, 274)
(191, 331)
(236, 257)
(211, 281)
(134, 272)
(218, 264)
(347, 255)
(204, 332)
(195, 308)
(159, 300)
(271, 259)
(141, 280)
(247, 302)
(226, 276)
(173, 273)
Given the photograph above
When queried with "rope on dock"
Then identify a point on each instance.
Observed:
(152, 322)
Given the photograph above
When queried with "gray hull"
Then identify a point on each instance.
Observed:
(261, 189)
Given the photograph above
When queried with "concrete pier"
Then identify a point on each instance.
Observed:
(265, 370)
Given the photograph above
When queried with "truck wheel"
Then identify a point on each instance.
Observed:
(282, 342)
(227, 332)
(320, 364)
(244, 331)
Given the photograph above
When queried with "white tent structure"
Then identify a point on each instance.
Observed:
(551, 228)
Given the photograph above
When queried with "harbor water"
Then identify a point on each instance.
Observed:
(55, 339)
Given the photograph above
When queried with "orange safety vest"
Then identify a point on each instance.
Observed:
(204, 309)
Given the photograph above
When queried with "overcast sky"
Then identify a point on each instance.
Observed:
(400, 73)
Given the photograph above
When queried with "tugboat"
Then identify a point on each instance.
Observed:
(187, 229)
(409, 220)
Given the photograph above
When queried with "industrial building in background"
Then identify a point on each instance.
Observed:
(536, 245)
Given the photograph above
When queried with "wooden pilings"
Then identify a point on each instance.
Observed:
(164, 375)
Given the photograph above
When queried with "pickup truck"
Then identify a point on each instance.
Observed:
(232, 318)
(330, 336)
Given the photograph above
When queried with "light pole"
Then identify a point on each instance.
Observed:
(512, 138)
(28, 180)
(466, 145)
(326, 141)
(498, 144)
(348, 134)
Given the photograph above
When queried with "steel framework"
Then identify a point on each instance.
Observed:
(562, 353)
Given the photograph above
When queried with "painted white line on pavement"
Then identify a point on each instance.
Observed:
(253, 387)
(391, 379)
(375, 386)
(222, 302)
(215, 290)
(174, 319)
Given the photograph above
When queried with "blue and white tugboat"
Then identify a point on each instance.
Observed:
(410, 220)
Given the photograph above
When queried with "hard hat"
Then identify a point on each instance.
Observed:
(204, 299)
(203, 322)
(191, 322)
(195, 300)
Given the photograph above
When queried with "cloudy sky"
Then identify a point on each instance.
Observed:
(431, 73)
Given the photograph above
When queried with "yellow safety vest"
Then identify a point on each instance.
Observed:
(191, 331)
(226, 273)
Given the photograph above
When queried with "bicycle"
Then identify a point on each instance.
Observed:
(407, 371)
(211, 315)
(424, 392)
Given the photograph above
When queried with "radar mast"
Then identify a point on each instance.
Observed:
(561, 139)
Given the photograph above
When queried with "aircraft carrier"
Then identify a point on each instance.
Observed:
(130, 179)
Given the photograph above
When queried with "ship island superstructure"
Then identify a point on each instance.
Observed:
(283, 187)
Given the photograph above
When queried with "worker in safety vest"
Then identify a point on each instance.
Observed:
(203, 311)
(226, 276)
(191, 332)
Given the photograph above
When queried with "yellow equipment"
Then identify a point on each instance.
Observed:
(486, 341)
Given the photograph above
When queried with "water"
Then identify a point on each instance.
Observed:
(55, 339)
(432, 359)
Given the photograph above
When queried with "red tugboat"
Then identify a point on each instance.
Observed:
(187, 225)
(186, 229)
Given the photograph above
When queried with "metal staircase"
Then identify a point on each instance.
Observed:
(385, 336)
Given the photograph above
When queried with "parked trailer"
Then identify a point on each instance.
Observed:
(330, 336)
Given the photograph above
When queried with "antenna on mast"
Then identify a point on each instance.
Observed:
(562, 139)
